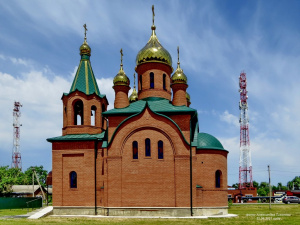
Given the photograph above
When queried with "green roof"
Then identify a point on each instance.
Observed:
(158, 105)
(84, 79)
(207, 141)
(78, 137)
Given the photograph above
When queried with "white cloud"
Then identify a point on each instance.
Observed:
(229, 118)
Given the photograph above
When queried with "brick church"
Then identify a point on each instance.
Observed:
(145, 156)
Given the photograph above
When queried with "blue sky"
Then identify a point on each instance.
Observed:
(39, 54)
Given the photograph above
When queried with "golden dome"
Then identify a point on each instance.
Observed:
(188, 97)
(178, 77)
(134, 95)
(121, 78)
(153, 50)
(85, 49)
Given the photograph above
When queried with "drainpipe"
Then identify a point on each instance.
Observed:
(191, 169)
(95, 172)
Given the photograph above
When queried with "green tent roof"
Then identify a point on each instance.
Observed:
(84, 79)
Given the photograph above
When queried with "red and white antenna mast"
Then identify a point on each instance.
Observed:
(16, 154)
(245, 169)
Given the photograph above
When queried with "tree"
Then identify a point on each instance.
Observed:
(294, 184)
(255, 184)
(9, 177)
(263, 189)
(236, 185)
(42, 174)
(14, 176)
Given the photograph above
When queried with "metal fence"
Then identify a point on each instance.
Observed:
(20, 203)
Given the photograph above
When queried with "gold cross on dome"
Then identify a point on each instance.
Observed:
(134, 79)
(85, 29)
(178, 52)
(153, 14)
(121, 51)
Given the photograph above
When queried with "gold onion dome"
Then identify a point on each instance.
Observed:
(188, 97)
(121, 78)
(85, 48)
(153, 50)
(134, 95)
(178, 77)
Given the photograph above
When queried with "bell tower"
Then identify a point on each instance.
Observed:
(83, 105)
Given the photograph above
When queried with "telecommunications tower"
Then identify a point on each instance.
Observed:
(16, 154)
(245, 169)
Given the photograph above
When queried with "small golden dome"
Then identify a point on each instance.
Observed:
(121, 78)
(134, 95)
(188, 97)
(178, 77)
(153, 50)
(85, 49)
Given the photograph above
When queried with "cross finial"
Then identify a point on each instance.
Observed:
(121, 51)
(85, 29)
(134, 80)
(178, 55)
(153, 14)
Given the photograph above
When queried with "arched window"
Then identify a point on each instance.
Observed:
(135, 150)
(141, 82)
(73, 179)
(78, 113)
(147, 147)
(218, 178)
(164, 82)
(103, 110)
(151, 80)
(93, 115)
(160, 150)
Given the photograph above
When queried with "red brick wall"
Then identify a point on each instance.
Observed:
(179, 94)
(82, 162)
(206, 164)
(121, 96)
(158, 69)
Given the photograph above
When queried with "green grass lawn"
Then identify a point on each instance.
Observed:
(247, 214)
(13, 212)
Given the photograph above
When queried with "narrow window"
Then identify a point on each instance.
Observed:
(147, 147)
(78, 113)
(218, 179)
(160, 150)
(103, 119)
(73, 179)
(135, 151)
(141, 82)
(93, 115)
(151, 80)
(164, 82)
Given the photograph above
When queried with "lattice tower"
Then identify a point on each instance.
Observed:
(245, 166)
(16, 154)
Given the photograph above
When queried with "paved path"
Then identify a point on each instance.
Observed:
(41, 213)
